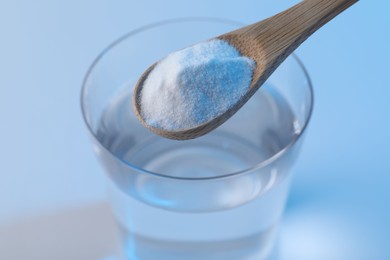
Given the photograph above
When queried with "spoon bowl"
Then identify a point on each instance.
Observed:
(268, 43)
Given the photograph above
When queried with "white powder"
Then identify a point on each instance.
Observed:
(194, 85)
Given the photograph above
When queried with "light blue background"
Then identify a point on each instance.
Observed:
(340, 200)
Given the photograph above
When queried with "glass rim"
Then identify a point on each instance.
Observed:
(259, 165)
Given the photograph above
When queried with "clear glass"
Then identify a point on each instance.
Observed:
(220, 196)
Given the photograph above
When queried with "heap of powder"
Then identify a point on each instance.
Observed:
(194, 85)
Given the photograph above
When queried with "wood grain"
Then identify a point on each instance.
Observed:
(271, 41)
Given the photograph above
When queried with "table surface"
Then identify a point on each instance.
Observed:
(52, 186)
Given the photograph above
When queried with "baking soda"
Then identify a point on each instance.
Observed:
(194, 85)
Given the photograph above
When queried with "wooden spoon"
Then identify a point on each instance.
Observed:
(268, 43)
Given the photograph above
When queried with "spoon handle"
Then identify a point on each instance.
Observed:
(292, 27)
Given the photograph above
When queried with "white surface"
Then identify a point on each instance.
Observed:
(84, 233)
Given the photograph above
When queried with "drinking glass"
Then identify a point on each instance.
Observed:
(219, 196)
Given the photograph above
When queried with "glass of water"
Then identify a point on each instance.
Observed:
(220, 196)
